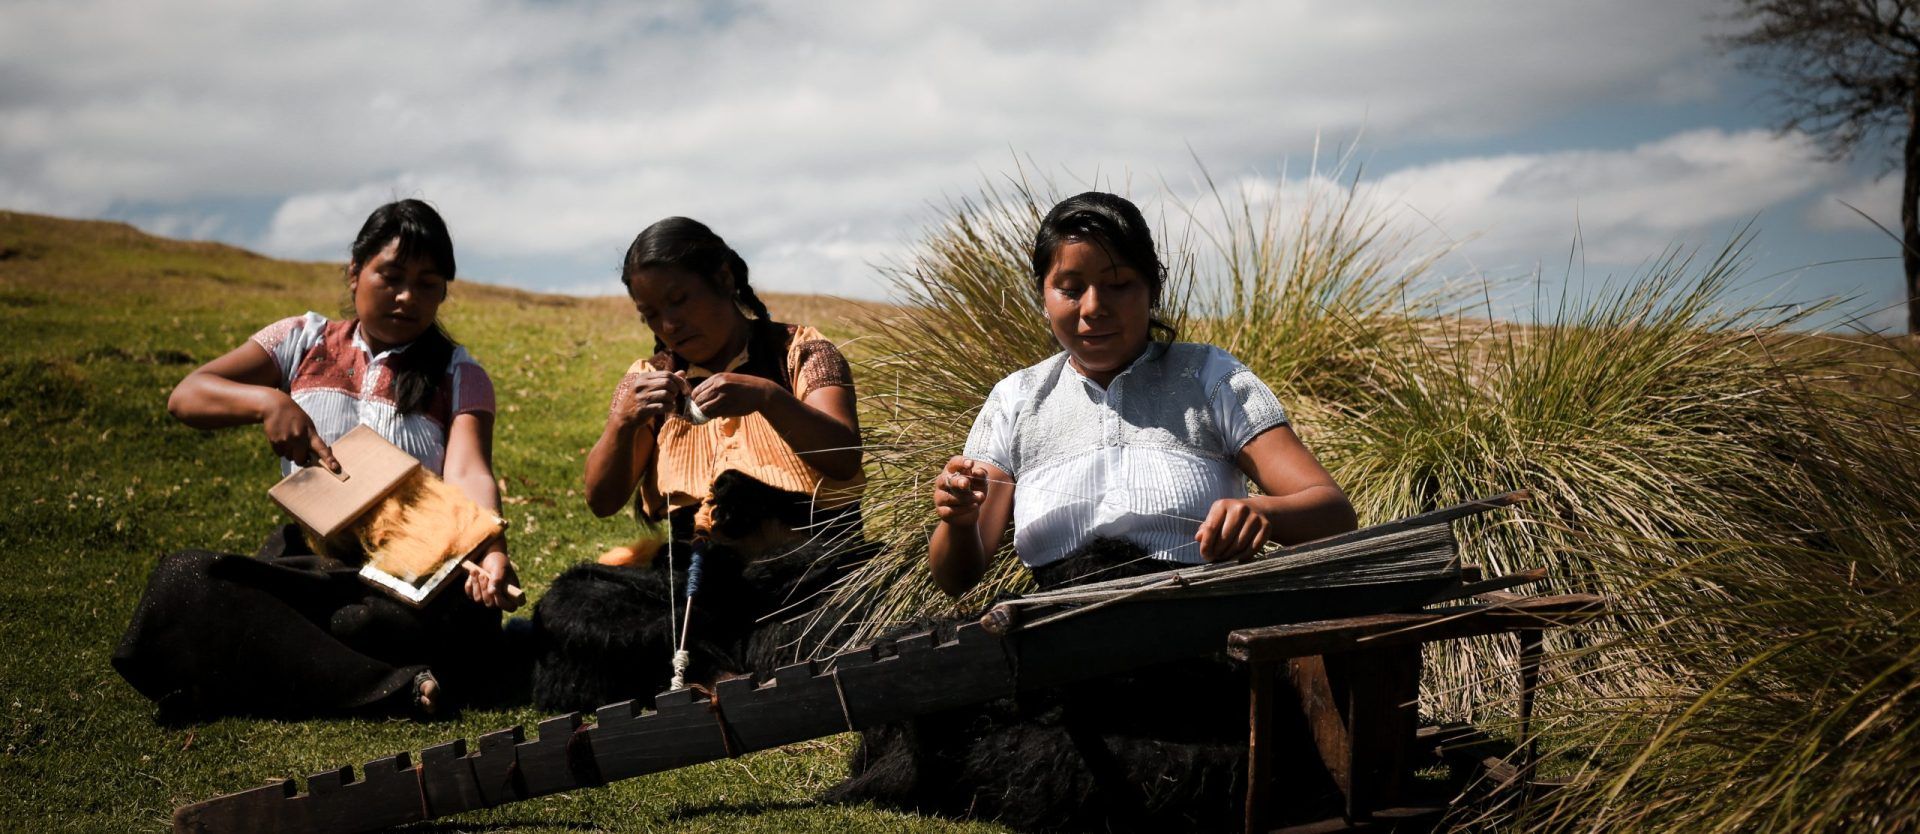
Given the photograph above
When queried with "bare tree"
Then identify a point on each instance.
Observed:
(1850, 76)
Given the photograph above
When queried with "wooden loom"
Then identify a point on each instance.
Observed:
(1041, 645)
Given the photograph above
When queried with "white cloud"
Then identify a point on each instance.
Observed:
(1878, 197)
(1625, 204)
(813, 132)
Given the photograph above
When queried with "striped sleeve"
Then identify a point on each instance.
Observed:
(472, 388)
(289, 339)
(821, 366)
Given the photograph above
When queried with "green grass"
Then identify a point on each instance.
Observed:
(97, 322)
(1741, 489)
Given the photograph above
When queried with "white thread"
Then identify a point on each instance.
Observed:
(690, 411)
(681, 659)
(673, 626)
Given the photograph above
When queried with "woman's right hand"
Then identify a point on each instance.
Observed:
(645, 397)
(293, 436)
(960, 490)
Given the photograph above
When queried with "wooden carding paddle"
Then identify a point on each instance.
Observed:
(414, 529)
(326, 503)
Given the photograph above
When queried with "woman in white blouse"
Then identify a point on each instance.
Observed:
(1121, 455)
(1123, 435)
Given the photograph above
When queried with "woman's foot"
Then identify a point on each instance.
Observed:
(426, 694)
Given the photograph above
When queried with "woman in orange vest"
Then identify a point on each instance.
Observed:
(741, 431)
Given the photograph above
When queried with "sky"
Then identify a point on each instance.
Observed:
(821, 139)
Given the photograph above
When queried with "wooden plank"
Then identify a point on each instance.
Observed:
(1259, 748)
(1280, 642)
(1426, 519)
(560, 759)
(1325, 725)
(795, 703)
(369, 467)
(1476, 587)
(1113, 639)
(912, 676)
(1381, 710)
(683, 729)
(259, 809)
(496, 771)
(446, 773)
(389, 794)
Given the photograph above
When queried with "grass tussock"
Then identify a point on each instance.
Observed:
(1793, 706)
(1313, 293)
(1740, 488)
(1657, 410)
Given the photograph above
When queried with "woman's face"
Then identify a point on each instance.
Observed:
(396, 302)
(701, 325)
(1098, 309)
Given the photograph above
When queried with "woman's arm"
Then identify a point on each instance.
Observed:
(469, 466)
(824, 429)
(620, 457)
(974, 500)
(243, 386)
(1302, 503)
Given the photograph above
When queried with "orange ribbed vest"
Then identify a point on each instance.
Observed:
(687, 458)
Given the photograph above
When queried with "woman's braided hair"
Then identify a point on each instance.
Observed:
(685, 243)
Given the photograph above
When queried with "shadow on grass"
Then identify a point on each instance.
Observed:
(744, 808)
(510, 825)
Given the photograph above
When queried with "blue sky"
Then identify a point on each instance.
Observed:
(820, 137)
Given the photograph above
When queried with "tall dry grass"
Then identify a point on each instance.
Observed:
(1741, 489)
(1792, 702)
(1657, 409)
(1310, 293)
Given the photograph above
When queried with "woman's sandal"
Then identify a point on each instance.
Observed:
(426, 694)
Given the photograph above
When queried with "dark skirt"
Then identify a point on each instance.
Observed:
(287, 633)
(1157, 749)
(605, 634)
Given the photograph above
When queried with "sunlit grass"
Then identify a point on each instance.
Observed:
(97, 322)
(1742, 490)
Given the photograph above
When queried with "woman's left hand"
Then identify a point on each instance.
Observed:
(488, 585)
(1234, 530)
(732, 395)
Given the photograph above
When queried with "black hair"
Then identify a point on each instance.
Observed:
(685, 243)
(1114, 224)
(418, 370)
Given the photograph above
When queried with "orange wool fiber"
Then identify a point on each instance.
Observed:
(641, 553)
(421, 524)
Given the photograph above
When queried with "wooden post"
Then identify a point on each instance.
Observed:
(1531, 650)
(1259, 745)
(1383, 712)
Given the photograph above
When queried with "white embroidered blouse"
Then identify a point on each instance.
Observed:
(331, 373)
(1142, 459)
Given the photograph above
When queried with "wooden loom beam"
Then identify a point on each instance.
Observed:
(888, 681)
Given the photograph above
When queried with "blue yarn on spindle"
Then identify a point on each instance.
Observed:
(693, 571)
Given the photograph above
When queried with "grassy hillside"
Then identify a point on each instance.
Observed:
(97, 322)
(1741, 488)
